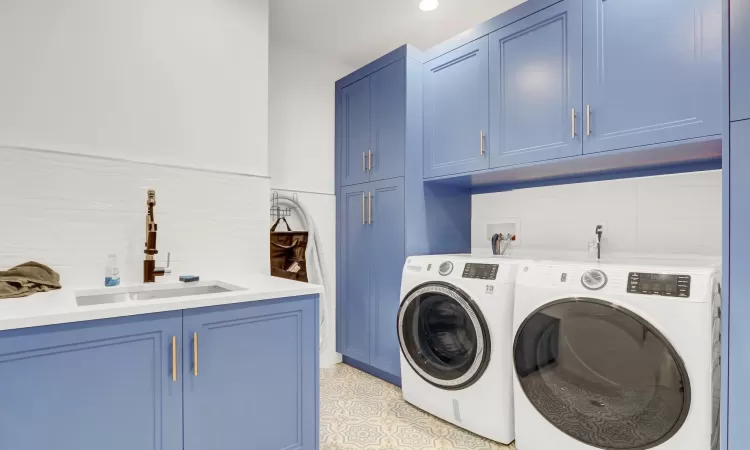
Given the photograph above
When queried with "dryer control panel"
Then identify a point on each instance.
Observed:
(659, 284)
(480, 271)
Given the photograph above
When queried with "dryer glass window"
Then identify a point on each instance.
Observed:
(602, 375)
(443, 336)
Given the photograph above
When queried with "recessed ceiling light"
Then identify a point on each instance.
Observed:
(428, 5)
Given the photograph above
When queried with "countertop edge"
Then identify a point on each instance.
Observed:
(73, 314)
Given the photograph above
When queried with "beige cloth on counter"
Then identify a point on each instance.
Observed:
(27, 279)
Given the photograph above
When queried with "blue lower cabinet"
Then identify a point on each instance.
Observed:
(106, 384)
(251, 376)
(387, 261)
(372, 251)
(231, 377)
(353, 309)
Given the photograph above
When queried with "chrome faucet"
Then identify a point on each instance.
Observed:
(150, 271)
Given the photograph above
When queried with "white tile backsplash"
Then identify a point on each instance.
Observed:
(70, 211)
(661, 215)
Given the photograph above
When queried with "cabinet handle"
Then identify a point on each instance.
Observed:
(174, 358)
(481, 142)
(363, 162)
(369, 207)
(573, 123)
(195, 354)
(363, 208)
(588, 120)
(369, 160)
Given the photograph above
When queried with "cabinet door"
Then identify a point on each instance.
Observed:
(388, 124)
(252, 380)
(738, 395)
(355, 132)
(739, 32)
(652, 71)
(456, 111)
(104, 384)
(535, 87)
(353, 299)
(387, 258)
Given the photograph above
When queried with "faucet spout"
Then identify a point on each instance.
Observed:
(150, 271)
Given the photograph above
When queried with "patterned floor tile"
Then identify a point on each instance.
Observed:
(361, 412)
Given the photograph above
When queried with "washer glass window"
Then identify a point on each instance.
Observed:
(443, 336)
(603, 375)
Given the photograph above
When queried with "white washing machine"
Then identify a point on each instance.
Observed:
(616, 356)
(454, 327)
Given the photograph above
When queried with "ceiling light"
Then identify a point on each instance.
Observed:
(428, 5)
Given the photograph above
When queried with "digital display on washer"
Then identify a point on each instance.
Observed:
(481, 271)
(659, 284)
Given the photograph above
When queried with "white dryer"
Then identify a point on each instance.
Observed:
(454, 327)
(616, 356)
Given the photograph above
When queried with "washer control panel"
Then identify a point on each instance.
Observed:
(659, 284)
(480, 271)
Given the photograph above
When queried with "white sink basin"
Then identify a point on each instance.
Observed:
(151, 292)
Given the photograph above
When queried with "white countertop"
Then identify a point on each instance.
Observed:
(60, 306)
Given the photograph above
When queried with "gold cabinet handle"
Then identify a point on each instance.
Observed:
(369, 206)
(573, 123)
(174, 358)
(363, 162)
(588, 120)
(195, 354)
(369, 160)
(481, 142)
(363, 208)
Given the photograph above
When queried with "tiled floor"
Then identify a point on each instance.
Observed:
(358, 411)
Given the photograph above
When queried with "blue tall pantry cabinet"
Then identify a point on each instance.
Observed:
(736, 258)
(384, 211)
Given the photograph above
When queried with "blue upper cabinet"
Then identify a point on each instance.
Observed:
(456, 111)
(651, 72)
(108, 384)
(355, 133)
(388, 121)
(739, 30)
(535, 87)
(387, 257)
(251, 376)
(353, 298)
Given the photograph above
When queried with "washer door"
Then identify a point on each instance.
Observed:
(443, 335)
(601, 374)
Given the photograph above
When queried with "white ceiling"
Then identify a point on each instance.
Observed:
(356, 32)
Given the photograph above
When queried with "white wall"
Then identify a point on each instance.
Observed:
(169, 81)
(302, 151)
(105, 99)
(670, 215)
(302, 119)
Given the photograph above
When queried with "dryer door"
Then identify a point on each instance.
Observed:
(443, 335)
(601, 374)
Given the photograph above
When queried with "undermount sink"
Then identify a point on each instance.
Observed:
(151, 292)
